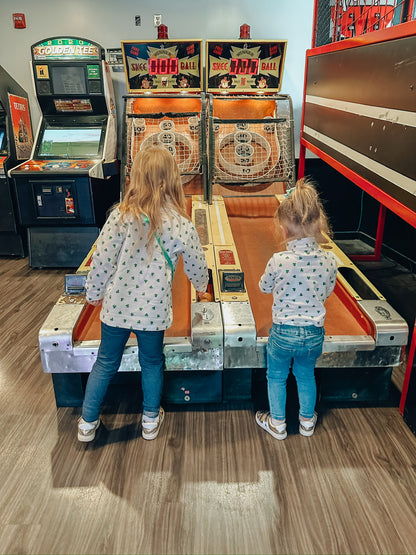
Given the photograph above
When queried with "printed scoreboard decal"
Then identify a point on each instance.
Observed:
(163, 65)
(243, 67)
(65, 49)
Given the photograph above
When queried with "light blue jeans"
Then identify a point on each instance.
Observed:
(152, 362)
(302, 345)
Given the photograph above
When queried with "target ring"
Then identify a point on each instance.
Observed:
(251, 162)
(178, 144)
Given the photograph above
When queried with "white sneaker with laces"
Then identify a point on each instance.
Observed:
(264, 420)
(86, 430)
(307, 427)
(150, 429)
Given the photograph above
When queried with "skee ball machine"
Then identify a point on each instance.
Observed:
(250, 149)
(165, 106)
(16, 142)
(64, 191)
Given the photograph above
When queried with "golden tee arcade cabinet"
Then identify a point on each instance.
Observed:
(65, 189)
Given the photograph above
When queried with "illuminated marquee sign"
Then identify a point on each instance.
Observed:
(65, 49)
(244, 66)
(162, 65)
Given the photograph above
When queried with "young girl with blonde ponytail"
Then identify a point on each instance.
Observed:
(131, 276)
(300, 278)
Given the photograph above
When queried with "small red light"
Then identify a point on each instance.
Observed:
(162, 32)
(245, 31)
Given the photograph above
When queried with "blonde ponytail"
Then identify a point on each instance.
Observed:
(302, 213)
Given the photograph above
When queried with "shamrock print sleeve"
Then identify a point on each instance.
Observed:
(332, 270)
(104, 260)
(268, 279)
(194, 260)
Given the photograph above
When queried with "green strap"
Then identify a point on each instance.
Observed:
(164, 251)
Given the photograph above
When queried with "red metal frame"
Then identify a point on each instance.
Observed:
(315, 23)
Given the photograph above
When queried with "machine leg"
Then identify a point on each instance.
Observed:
(379, 239)
(69, 390)
(301, 165)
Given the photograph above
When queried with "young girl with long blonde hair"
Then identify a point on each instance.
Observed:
(300, 278)
(131, 276)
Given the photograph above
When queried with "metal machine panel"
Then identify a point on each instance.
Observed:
(360, 113)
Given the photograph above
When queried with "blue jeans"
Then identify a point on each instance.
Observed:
(303, 345)
(152, 362)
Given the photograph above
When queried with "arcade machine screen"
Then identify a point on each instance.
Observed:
(68, 80)
(71, 142)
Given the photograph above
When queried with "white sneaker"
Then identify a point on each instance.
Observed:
(307, 427)
(151, 428)
(264, 421)
(86, 430)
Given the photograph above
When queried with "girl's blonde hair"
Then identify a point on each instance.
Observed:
(155, 187)
(301, 213)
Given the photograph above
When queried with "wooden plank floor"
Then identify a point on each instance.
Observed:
(213, 482)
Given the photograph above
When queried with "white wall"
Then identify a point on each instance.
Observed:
(110, 21)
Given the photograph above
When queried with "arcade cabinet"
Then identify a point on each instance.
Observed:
(16, 142)
(251, 163)
(65, 189)
(165, 106)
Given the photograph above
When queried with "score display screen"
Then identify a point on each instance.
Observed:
(244, 66)
(163, 66)
(68, 79)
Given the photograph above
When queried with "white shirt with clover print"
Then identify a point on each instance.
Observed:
(137, 290)
(301, 279)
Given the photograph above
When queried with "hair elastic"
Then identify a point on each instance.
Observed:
(289, 192)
